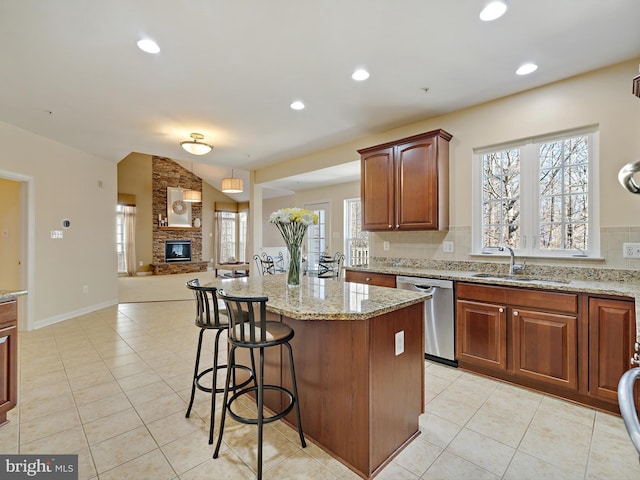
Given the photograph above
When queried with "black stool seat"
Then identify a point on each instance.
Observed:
(210, 317)
(249, 328)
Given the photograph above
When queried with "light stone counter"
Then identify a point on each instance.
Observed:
(6, 295)
(565, 284)
(321, 298)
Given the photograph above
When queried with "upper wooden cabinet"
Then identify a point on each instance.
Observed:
(405, 184)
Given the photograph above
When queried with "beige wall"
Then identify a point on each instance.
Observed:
(62, 182)
(9, 235)
(602, 97)
(135, 177)
(335, 196)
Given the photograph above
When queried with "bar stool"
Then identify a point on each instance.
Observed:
(249, 328)
(208, 318)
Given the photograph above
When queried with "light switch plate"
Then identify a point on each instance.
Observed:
(385, 246)
(399, 342)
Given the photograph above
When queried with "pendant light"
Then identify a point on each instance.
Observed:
(192, 196)
(232, 185)
(195, 147)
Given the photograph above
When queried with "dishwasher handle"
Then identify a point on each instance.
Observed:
(425, 288)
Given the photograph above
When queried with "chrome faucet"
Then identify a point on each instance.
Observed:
(513, 266)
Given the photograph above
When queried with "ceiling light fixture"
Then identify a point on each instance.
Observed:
(195, 147)
(192, 196)
(360, 75)
(493, 10)
(297, 105)
(526, 69)
(232, 185)
(148, 45)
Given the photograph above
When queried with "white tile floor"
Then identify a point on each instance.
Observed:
(112, 386)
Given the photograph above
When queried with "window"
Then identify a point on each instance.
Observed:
(538, 196)
(228, 235)
(356, 242)
(120, 246)
(230, 229)
(317, 234)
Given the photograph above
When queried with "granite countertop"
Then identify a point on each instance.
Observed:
(321, 298)
(6, 295)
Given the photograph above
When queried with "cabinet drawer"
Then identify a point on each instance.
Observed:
(379, 279)
(8, 312)
(522, 297)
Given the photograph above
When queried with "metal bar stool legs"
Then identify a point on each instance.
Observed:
(214, 373)
(250, 329)
(259, 389)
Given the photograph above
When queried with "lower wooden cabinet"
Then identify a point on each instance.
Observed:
(545, 347)
(612, 334)
(574, 345)
(482, 334)
(8, 358)
(379, 279)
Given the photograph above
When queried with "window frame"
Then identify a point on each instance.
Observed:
(530, 200)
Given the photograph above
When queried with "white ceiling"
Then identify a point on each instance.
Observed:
(229, 69)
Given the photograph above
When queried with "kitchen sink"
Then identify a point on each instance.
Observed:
(518, 278)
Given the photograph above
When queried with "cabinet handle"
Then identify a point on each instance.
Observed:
(368, 279)
(636, 346)
(515, 313)
(635, 360)
(4, 339)
(501, 310)
(390, 226)
(398, 226)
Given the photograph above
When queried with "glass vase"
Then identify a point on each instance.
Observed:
(295, 265)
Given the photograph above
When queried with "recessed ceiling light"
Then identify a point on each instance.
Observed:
(297, 105)
(493, 10)
(527, 68)
(360, 75)
(148, 45)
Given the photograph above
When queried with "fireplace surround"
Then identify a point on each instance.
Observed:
(177, 251)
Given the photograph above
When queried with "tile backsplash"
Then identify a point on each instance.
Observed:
(427, 245)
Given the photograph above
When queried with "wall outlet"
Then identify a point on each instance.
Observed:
(631, 250)
(140, 263)
(385, 246)
(447, 247)
(56, 234)
(85, 289)
(399, 342)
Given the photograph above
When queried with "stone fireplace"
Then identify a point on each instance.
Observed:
(167, 173)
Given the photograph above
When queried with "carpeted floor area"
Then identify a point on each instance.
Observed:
(158, 288)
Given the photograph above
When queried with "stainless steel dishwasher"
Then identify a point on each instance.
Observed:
(439, 331)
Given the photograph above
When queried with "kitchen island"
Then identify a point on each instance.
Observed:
(359, 359)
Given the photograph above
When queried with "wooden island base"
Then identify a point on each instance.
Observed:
(359, 401)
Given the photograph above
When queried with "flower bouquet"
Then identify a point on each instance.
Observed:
(293, 224)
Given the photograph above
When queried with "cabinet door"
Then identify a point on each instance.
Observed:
(612, 333)
(481, 335)
(377, 190)
(379, 279)
(8, 369)
(417, 185)
(545, 347)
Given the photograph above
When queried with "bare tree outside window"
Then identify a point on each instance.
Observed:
(537, 197)
(501, 198)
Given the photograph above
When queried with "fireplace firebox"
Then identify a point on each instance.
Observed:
(177, 251)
